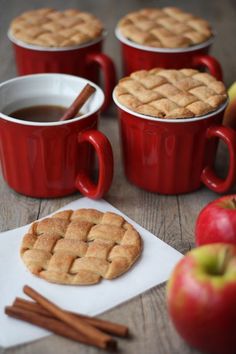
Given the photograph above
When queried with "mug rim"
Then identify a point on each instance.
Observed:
(54, 49)
(56, 123)
(173, 120)
(193, 48)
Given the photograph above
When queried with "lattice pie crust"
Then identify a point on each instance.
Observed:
(50, 28)
(80, 247)
(168, 93)
(169, 27)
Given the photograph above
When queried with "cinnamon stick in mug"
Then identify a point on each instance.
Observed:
(80, 100)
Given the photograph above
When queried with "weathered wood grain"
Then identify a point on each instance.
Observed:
(169, 217)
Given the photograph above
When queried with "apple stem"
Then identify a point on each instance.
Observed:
(223, 260)
(234, 202)
(230, 203)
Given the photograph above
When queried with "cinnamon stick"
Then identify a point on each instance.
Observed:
(99, 338)
(107, 326)
(56, 326)
(80, 100)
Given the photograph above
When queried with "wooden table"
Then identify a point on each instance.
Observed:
(171, 218)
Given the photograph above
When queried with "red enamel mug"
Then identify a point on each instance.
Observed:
(137, 57)
(52, 159)
(84, 60)
(174, 156)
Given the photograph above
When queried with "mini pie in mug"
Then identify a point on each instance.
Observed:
(168, 27)
(80, 247)
(169, 93)
(47, 27)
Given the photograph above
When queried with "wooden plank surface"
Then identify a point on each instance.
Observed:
(169, 217)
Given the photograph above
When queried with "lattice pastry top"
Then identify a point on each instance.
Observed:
(80, 247)
(50, 28)
(168, 27)
(168, 93)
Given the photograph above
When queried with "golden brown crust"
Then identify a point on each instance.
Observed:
(50, 28)
(169, 93)
(80, 247)
(168, 27)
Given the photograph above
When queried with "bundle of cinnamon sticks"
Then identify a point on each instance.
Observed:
(44, 313)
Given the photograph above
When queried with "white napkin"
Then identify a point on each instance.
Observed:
(153, 267)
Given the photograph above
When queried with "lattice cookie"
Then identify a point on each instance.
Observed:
(80, 247)
(168, 93)
(169, 27)
(50, 28)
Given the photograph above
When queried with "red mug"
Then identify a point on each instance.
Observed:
(137, 57)
(175, 156)
(52, 159)
(83, 60)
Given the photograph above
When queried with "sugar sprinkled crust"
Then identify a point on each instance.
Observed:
(168, 27)
(168, 93)
(80, 247)
(47, 27)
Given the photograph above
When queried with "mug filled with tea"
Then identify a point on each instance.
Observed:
(70, 42)
(40, 113)
(168, 38)
(44, 155)
(170, 123)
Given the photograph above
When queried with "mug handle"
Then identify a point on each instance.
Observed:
(109, 72)
(103, 150)
(210, 63)
(208, 176)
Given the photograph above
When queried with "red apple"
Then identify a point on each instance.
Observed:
(217, 222)
(201, 298)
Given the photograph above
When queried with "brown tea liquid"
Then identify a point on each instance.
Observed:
(42, 113)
